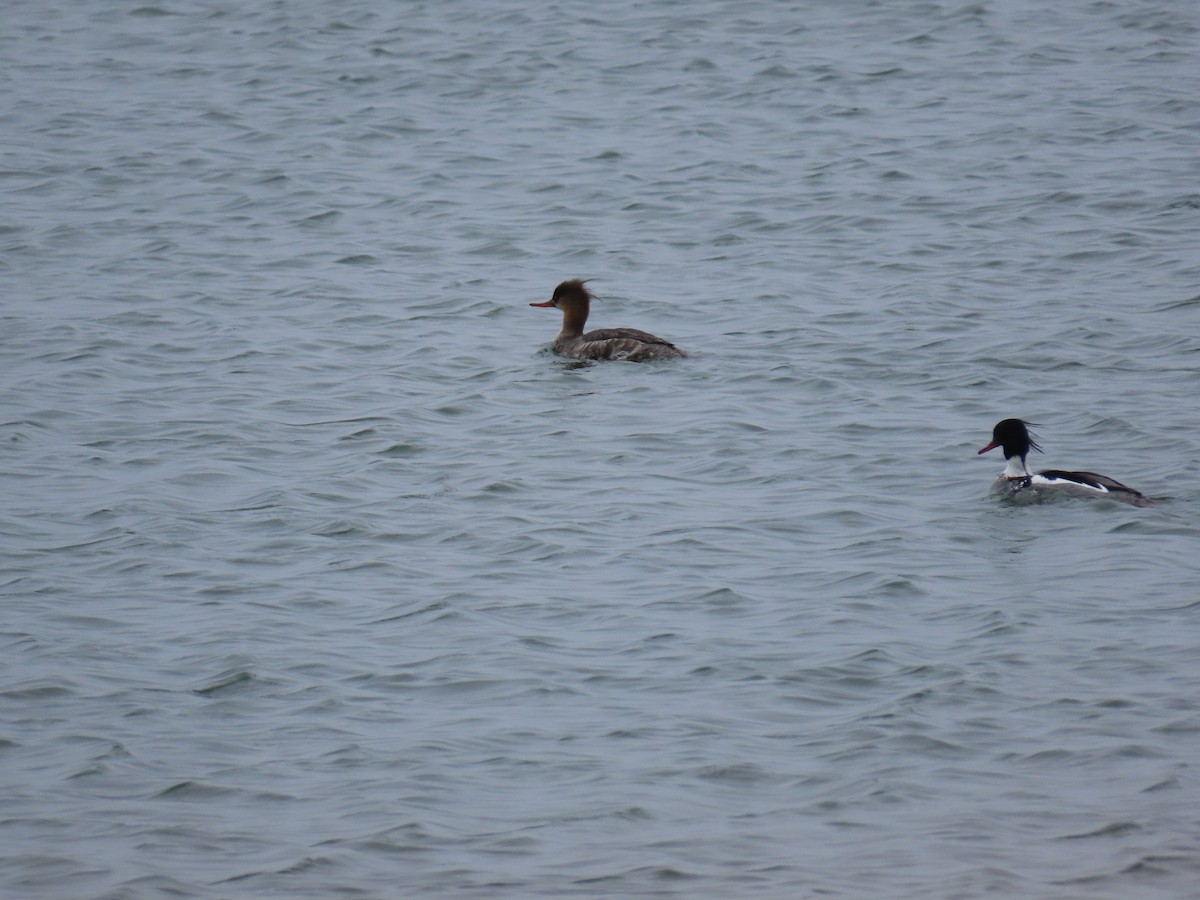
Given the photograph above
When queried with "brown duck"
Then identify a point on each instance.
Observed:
(606, 343)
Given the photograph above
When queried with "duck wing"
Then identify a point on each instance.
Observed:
(626, 343)
(633, 334)
(1092, 480)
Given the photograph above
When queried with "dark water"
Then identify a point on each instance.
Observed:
(321, 577)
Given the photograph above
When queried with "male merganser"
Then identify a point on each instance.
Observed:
(1013, 436)
(607, 343)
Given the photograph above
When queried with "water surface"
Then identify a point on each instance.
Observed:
(321, 577)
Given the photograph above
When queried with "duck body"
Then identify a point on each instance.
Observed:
(1013, 436)
(630, 344)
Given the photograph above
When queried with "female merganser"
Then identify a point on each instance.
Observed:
(1013, 436)
(607, 343)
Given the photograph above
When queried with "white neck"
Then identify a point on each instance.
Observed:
(1015, 468)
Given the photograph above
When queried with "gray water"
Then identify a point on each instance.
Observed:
(321, 577)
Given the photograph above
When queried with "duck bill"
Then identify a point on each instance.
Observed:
(992, 446)
(549, 303)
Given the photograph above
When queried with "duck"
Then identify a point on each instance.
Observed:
(630, 344)
(1014, 437)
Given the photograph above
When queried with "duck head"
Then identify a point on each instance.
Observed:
(569, 294)
(574, 300)
(1013, 436)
